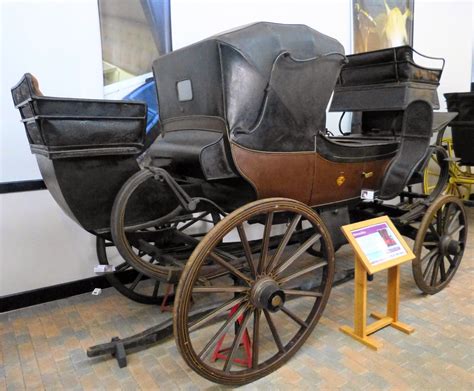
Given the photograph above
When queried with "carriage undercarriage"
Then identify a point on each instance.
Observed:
(247, 280)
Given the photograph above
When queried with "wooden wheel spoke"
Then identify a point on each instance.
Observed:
(212, 341)
(293, 316)
(434, 274)
(433, 231)
(220, 289)
(229, 322)
(442, 269)
(284, 241)
(451, 260)
(274, 331)
(264, 249)
(232, 269)
(439, 222)
(451, 221)
(310, 242)
(156, 288)
(429, 267)
(215, 313)
(136, 281)
(456, 231)
(298, 292)
(247, 249)
(122, 266)
(429, 255)
(255, 336)
(302, 272)
(236, 343)
(427, 244)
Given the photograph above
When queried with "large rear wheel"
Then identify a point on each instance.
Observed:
(264, 303)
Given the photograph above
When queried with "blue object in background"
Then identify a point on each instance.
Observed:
(147, 93)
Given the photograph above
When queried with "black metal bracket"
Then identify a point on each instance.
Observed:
(188, 203)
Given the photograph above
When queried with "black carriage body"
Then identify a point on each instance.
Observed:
(86, 149)
(242, 113)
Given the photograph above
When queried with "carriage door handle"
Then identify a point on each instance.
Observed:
(366, 175)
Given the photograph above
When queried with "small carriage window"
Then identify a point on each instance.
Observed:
(185, 90)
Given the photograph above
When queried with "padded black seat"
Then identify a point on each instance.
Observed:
(183, 149)
(347, 149)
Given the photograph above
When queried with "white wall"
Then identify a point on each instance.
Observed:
(444, 28)
(59, 42)
(39, 245)
(195, 20)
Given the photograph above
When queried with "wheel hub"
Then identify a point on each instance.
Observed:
(267, 294)
(449, 246)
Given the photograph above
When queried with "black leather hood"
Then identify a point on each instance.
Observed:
(270, 82)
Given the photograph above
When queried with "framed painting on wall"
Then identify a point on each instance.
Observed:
(380, 24)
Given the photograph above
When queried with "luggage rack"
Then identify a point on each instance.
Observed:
(386, 79)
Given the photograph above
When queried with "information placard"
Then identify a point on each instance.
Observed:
(378, 246)
(377, 243)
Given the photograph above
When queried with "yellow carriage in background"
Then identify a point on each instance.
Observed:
(459, 147)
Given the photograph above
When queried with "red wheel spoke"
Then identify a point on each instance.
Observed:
(281, 247)
(229, 322)
(247, 250)
(311, 241)
(264, 250)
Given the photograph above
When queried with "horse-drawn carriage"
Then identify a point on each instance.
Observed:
(240, 199)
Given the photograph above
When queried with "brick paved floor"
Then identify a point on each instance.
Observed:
(44, 346)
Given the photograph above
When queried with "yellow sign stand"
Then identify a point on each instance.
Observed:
(378, 246)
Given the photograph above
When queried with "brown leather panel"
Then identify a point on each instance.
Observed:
(291, 174)
(277, 174)
(335, 181)
(326, 188)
